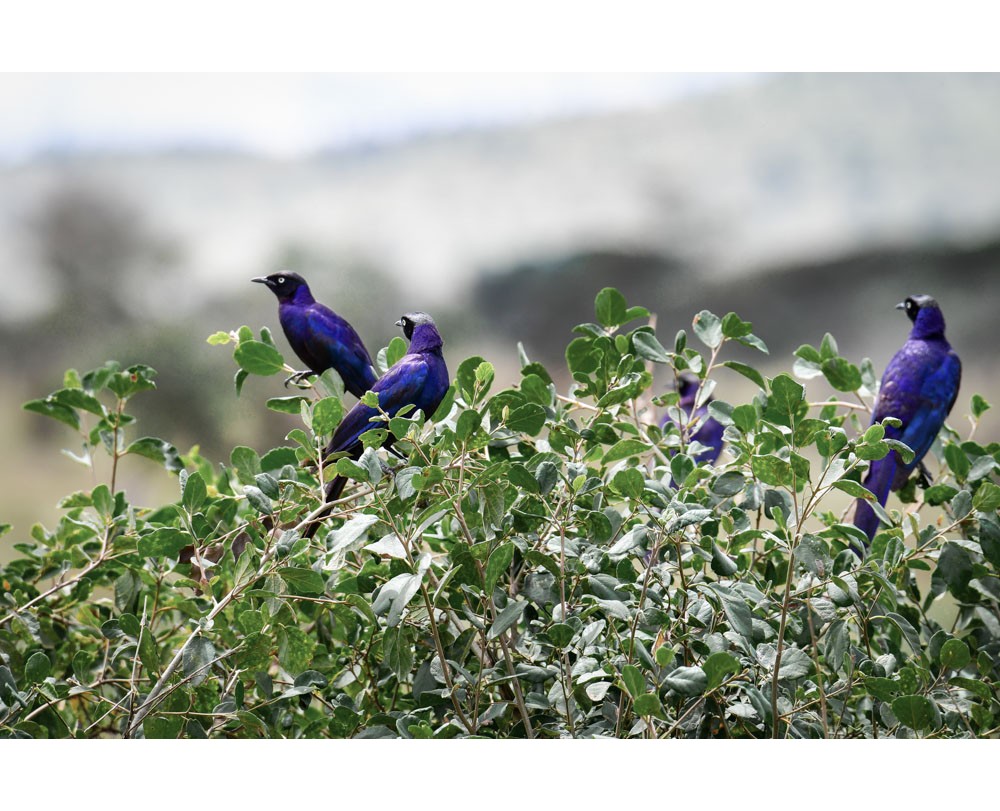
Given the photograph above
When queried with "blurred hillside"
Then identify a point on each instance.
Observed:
(805, 203)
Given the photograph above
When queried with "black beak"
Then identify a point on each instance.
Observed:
(900, 306)
(399, 323)
(261, 280)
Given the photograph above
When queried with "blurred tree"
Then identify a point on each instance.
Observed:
(99, 246)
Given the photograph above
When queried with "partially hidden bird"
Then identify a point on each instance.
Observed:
(710, 431)
(919, 388)
(321, 338)
(419, 378)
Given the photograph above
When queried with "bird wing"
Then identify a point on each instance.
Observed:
(920, 392)
(399, 386)
(333, 342)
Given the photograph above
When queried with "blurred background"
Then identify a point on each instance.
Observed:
(134, 209)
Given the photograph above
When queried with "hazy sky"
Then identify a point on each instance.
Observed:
(288, 115)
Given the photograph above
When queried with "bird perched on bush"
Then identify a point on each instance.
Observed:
(710, 432)
(419, 378)
(321, 338)
(919, 388)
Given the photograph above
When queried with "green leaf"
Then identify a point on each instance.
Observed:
(841, 374)
(735, 327)
(397, 651)
(131, 381)
(302, 580)
(77, 398)
(498, 563)
(957, 461)
(561, 634)
(147, 650)
(747, 371)
(506, 618)
(287, 405)
(629, 482)
(772, 470)
(980, 688)
(916, 712)
(158, 450)
(394, 596)
(162, 726)
(37, 668)
(647, 704)
(127, 587)
(729, 483)
(197, 659)
(795, 663)
(195, 492)
(326, 415)
(395, 351)
(687, 681)
(466, 378)
(611, 308)
(625, 449)
(737, 612)
(258, 358)
(467, 424)
(527, 419)
(987, 497)
(979, 406)
(49, 408)
(648, 348)
(295, 649)
(635, 683)
(102, 501)
(258, 500)
(246, 462)
(219, 338)
(852, 488)
(954, 655)
(939, 494)
(708, 328)
(717, 667)
(165, 542)
(881, 688)
(785, 403)
(745, 418)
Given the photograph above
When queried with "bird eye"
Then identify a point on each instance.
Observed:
(281, 280)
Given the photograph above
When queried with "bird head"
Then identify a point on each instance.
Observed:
(284, 284)
(411, 321)
(421, 331)
(925, 313)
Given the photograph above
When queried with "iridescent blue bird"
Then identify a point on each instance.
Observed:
(321, 338)
(919, 388)
(419, 378)
(710, 431)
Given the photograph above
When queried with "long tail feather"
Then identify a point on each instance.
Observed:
(878, 481)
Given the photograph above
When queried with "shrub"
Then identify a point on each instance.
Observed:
(541, 565)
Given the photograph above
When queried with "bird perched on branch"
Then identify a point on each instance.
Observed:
(919, 388)
(321, 338)
(710, 432)
(419, 378)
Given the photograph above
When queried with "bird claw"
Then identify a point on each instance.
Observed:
(923, 476)
(297, 379)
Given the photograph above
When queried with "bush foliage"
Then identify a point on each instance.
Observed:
(540, 565)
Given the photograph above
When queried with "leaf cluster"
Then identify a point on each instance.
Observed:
(542, 563)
